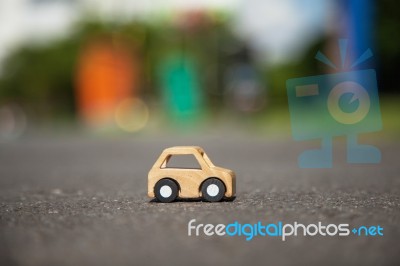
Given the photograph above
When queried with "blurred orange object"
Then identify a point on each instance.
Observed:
(106, 75)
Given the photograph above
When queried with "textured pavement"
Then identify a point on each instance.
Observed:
(82, 201)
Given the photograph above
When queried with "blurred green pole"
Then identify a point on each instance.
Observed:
(181, 88)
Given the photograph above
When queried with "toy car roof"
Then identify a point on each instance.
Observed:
(183, 150)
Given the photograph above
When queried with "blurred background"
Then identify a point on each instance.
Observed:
(168, 66)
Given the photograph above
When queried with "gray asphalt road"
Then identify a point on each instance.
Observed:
(82, 201)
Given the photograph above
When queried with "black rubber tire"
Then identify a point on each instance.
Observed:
(219, 195)
(171, 184)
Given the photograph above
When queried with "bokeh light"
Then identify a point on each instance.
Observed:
(132, 115)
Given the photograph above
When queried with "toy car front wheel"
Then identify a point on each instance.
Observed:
(166, 190)
(213, 190)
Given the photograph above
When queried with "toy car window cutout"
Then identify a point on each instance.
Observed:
(181, 161)
(206, 159)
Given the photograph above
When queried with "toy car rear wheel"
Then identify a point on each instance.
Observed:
(213, 190)
(166, 190)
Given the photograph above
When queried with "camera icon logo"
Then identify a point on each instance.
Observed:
(339, 104)
(358, 93)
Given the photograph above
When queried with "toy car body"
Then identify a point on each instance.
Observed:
(209, 182)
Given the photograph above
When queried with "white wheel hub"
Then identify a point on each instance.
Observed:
(165, 191)
(212, 190)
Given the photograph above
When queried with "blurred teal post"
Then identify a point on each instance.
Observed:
(181, 90)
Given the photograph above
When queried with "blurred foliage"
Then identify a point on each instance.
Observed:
(41, 77)
(388, 42)
(305, 66)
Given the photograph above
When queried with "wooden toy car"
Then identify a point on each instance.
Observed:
(209, 182)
